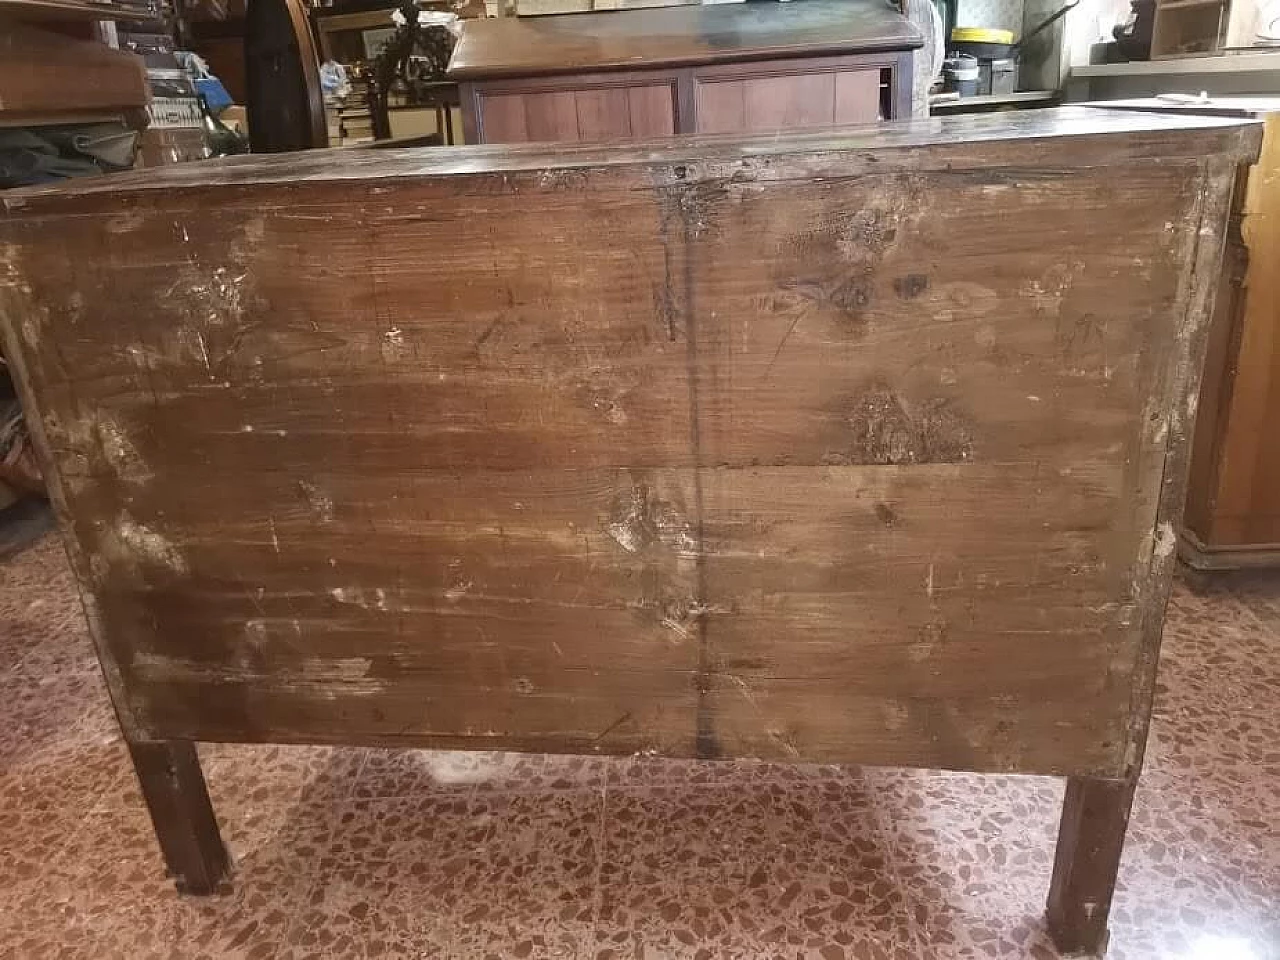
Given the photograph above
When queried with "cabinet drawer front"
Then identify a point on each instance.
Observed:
(618, 112)
(753, 104)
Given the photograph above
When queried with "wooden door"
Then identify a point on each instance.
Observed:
(737, 102)
(575, 111)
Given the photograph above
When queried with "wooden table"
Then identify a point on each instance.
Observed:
(707, 447)
(728, 68)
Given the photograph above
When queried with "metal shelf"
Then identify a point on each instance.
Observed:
(32, 10)
(975, 104)
(1257, 60)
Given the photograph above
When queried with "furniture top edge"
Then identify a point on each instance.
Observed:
(1153, 135)
(676, 36)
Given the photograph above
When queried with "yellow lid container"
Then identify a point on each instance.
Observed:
(980, 35)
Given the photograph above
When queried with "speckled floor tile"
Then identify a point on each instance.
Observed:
(255, 774)
(762, 867)
(973, 855)
(51, 687)
(1201, 865)
(1220, 653)
(373, 912)
(345, 852)
(101, 895)
(458, 873)
(38, 601)
(44, 800)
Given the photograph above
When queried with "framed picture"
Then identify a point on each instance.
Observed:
(374, 39)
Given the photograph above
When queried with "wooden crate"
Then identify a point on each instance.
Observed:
(1190, 27)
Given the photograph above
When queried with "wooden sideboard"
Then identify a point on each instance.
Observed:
(1233, 503)
(735, 68)
(711, 447)
(1232, 518)
(54, 70)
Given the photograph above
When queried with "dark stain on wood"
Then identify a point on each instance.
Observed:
(884, 428)
(910, 285)
(888, 516)
(699, 204)
(852, 298)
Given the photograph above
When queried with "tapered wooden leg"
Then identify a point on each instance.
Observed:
(173, 786)
(1090, 840)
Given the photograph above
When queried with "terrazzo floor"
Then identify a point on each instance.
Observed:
(355, 853)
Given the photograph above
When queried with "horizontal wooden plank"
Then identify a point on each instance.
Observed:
(505, 585)
(502, 377)
(770, 720)
(598, 717)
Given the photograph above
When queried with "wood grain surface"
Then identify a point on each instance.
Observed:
(816, 450)
(757, 104)
(763, 96)
(957, 141)
(47, 75)
(638, 110)
(675, 36)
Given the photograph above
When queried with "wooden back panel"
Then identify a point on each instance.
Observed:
(856, 447)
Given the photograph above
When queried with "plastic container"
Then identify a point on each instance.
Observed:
(984, 43)
(960, 74)
(997, 77)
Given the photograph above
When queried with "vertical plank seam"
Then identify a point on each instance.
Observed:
(705, 741)
(680, 200)
(577, 115)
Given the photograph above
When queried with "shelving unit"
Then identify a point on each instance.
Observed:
(73, 10)
(1185, 27)
(47, 75)
(1043, 60)
(54, 71)
(1022, 98)
(1199, 27)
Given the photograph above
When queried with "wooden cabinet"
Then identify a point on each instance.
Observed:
(792, 95)
(1232, 517)
(609, 107)
(712, 447)
(49, 75)
(715, 69)
(1233, 503)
